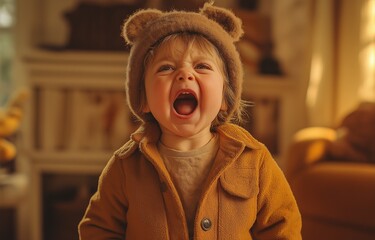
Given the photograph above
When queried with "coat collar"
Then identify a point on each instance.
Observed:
(231, 137)
(147, 133)
(233, 133)
(233, 141)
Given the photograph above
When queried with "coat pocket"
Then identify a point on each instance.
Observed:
(240, 182)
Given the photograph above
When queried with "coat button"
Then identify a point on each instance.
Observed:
(206, 224)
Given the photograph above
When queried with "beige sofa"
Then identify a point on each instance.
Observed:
(336, 198)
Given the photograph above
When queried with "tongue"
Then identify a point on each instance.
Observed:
(184, 106)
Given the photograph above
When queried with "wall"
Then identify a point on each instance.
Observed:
(348, 72)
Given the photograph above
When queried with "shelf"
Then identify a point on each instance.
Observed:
(69, 162)
(77, 69)
(79, 157)
(75, 56)
(115, 82)
(71, 69)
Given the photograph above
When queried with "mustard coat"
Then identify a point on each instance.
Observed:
(245, 195)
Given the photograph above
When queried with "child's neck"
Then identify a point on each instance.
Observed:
(186, 143)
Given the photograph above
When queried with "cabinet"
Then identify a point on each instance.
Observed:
(77, 118)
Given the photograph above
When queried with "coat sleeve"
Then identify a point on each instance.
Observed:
(105, 216)
(278, 216)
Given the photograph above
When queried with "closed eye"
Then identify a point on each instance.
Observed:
(165, 68)
(203, 66)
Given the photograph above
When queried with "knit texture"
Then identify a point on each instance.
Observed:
(146, 27)
(188, 171)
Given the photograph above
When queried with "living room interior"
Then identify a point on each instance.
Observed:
(309, 70)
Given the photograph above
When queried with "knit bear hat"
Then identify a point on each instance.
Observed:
(147, 27)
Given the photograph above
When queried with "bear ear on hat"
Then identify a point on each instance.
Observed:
(225, 18)
(136, 23)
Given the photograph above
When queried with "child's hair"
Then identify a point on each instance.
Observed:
(201, 43)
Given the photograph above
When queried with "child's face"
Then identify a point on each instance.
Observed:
(184, 88)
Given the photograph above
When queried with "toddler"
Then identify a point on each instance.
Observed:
(189, 172)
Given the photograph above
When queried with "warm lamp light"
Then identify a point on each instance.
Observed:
(366, 90)
(315, 132)
(315, 80)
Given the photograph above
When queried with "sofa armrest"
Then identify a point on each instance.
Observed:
(342, 192)
(309, 146)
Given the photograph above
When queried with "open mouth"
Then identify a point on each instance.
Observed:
(185, 103)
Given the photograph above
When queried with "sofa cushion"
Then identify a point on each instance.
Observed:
(339, 191)
(355, 136)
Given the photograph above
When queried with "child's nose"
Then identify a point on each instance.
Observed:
(185, 74)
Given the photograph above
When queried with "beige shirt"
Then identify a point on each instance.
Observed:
(188, 171)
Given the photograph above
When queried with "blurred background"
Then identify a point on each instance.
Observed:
(62, 67)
